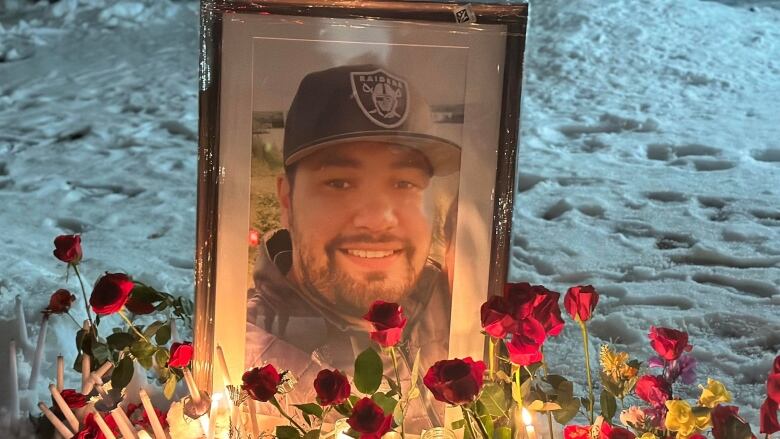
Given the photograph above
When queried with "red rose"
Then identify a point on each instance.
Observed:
(653, 389)
(547, 312)
(110, 293)
(697, 436)
(497, 317)
(455, 381)
(727, 424)
(769, 423)
(67, 248)
(669, 343)
(580, 302)
(369, 419)
(388, 321)
(261, 382)
(181, 354)
(91, 430)
(524, 346)
(773, 387)
(332, 387)
(776, 365)
(609, 432)
(74, 399)
(521, 296)
(576, 432)
(60, 302)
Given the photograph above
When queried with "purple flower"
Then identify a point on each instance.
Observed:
(683, 368)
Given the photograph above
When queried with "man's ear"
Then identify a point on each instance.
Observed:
(284, 197)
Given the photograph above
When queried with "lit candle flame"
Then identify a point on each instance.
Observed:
(526, 415)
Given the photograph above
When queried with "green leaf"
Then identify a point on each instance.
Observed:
(122, 374)
(287, 432)
(502, 433)
(368, 371)
(146, 294)
(460, 423)
(415, 369)
(119, 341)
(313, 434)
(310, 409)
(163, 334)
(385, 402)
(608, 405)
(100, 353)
(153, 328)
(161, 357)
(143, 352)
(567, 412)
(170, 387)
(494, 399)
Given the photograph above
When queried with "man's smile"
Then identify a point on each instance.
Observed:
(371, 258)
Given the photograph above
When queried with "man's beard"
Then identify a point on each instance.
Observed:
(350, 294)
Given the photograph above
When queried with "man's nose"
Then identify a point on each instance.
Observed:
(376, 214)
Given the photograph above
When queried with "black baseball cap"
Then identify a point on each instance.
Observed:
(363, 102)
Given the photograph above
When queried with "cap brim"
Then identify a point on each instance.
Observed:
(443, 155)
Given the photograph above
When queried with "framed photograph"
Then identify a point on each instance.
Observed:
(352, 152)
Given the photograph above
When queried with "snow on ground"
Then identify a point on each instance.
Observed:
(649, 167)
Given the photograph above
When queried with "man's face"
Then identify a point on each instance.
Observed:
(360, 226)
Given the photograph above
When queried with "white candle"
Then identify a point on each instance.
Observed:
(142, 434)
(91, 378)
(58, 425)
(13, 388)
(102, 424)
(36, 364)
(191, 386)
(159, 433)
(74, 423)
(60, 373)
(528, 421)
(123, 423)
(174, 332)
(21, 329)
(223, 365)
(253, 417)
(86, 367)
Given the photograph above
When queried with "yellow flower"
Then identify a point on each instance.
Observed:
(614, 363)
(648, 435)
(715, 393)
(680, 418)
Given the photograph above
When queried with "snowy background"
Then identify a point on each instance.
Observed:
(649, 166)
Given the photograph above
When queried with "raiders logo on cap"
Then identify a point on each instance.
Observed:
(382, 97)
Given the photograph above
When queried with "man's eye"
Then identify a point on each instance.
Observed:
(404, 184)
(338, 184)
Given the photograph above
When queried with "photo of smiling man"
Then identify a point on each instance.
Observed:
(362, 195)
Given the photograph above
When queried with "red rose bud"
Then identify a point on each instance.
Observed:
(547, 311)
(776, 365)
(369, 419)
(261, 383)
(576, 432)
(524, 346)
(609, 432)
(455, 381)
(652, 389)
(727, 424)
(111, 293)
(181, 354)
(669, 343)
(91, 430)
(60, 302)
(497, 318)
(521, 297)
(332, 387)
(74, 399)
(388, 321)
(580, 302)
(768, 417)
(67, 248)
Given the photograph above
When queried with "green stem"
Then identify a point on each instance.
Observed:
(130, 324)
(518, 383)
(587, 369)
(74, 320)
(276, 404)
(549, 414)
(322, 420)
(398, 380)
(492, 354)
(84, 294)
